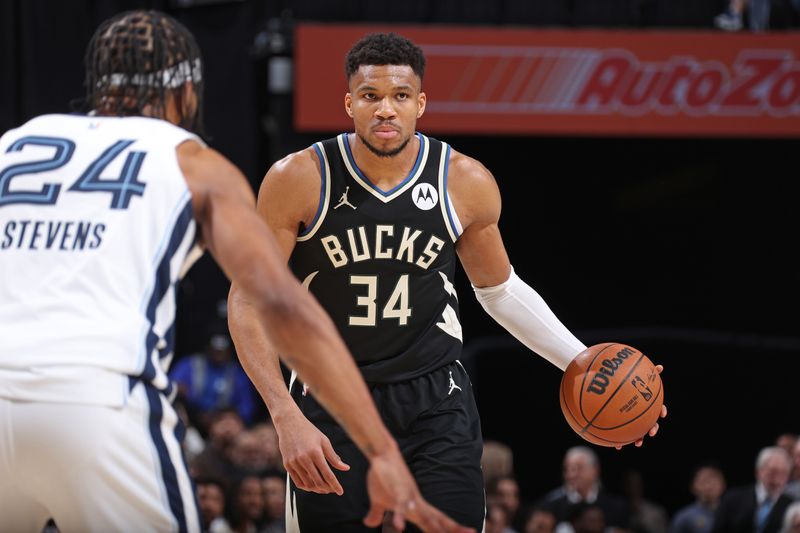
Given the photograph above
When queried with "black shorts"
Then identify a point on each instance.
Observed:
(435, 422)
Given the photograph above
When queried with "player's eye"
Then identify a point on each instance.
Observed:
(402, 96)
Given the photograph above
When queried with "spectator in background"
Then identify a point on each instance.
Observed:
(246, 505)
(215, 459)
(758, 14)
(504, 490)
(539, 520)
(708, 485)
(582, 486)
(791, 519)
(273, 487)
(732, 18)
(498, 520)
(646, 516)
(584, 518)
(247, 454)
(786, 441)
(793, 487)
(211, 502)
(497, 460)
(760, 506)
(268, 440)
(213, 380)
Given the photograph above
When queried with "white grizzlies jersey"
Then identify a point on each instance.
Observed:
(96, 227)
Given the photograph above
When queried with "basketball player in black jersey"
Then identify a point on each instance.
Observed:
(372, 222)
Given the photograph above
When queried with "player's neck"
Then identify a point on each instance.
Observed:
(148, 111)
(384, 172)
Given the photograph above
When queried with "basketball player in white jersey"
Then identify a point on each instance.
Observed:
(99, 218)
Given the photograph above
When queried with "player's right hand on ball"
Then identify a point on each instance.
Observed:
(308, 455)
(392, 489)
(653, 430)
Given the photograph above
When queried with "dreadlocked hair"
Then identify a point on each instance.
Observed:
(136, 59)
(384, 49)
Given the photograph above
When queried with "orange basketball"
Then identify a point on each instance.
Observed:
(611, 394)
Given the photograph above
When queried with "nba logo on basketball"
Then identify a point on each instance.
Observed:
(642, 387)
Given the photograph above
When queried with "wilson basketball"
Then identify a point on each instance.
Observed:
(611, 394)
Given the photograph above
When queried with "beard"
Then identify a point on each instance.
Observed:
(385, 153)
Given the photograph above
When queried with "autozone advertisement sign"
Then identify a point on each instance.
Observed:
(535, 81)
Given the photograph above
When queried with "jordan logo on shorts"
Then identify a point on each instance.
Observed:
(453, 385)
(343, 200)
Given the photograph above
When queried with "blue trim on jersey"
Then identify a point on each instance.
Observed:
(367, 180)
(321, 193)
(447, 196)
(169, 338)
(168, 475)
(162, 285)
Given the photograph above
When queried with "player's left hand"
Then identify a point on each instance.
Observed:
(654, 429)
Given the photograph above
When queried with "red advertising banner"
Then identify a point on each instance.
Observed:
(577, 82)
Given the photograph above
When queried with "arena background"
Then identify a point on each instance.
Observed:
(682, 247)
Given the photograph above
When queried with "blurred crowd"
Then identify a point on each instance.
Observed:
(234, 457)
(756, 15)
(582, 504)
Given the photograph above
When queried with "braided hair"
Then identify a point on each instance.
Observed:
(136, 59)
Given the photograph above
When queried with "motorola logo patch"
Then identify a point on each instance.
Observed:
(425, 196)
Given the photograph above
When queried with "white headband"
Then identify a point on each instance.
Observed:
(171, 78)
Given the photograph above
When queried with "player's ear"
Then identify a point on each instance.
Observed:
(189, 102)
(348, 104)
(421, 100)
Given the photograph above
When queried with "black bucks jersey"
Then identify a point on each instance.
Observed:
(382, 262)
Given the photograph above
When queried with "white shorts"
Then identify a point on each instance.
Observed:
(94, 468)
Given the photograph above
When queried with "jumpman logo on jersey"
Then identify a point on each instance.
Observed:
(343, 200)
(453, 385)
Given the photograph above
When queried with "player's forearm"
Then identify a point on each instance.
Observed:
(295, 324)
(521, 311)
(258, 356)
(309, 343)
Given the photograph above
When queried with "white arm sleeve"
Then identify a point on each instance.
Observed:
(520, 309)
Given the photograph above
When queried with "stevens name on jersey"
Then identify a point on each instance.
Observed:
(64, 235)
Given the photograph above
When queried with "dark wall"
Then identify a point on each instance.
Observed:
(682, 248)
